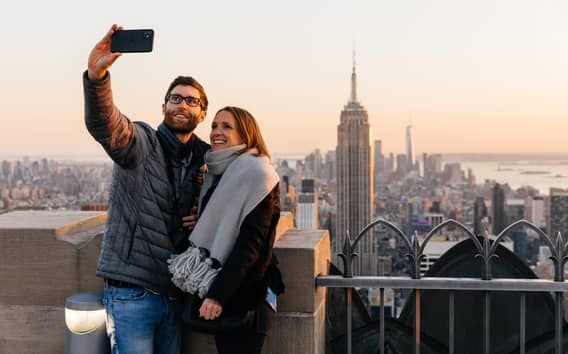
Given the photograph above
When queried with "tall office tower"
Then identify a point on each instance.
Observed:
(558, 212)
(402, 164)
(7, 168)
(307, 209)
(515, 211)
(313, 164)
(426, 171)
(379, 157)
(436, 163)
(498, 205)
(330, 166)
(288, 198)
(355, 181)
(535, 212)
(390, 163)
(410, 158)
(479, 213)
(379, 165)
(44, 164)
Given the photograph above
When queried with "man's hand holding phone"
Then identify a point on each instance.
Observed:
(101, 58)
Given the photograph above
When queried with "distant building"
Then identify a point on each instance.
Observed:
(536, 212)
(453, 173)
(402, 164)
(515, 210)
(379, 165)
(409, 156)
(355, 180)
(307, 208)
(433, 219)
(329, 166)
(313, 165)
(479, 214)
(558, 211)
(498, 204)
(288, 198)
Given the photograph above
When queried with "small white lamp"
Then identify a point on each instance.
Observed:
(85, 319)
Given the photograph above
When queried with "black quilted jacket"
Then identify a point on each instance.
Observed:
(142, 216)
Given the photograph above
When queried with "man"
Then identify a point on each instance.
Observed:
(156, 181)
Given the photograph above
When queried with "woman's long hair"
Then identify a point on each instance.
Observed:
(248, 129)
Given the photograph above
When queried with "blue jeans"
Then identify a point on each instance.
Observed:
(141, 322)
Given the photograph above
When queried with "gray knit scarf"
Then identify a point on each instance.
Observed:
(247, 180)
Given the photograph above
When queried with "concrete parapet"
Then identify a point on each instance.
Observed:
(303, 255)
(285, 223)
(45, 256)
(50, 258)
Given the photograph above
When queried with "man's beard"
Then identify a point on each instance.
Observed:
(178, 126)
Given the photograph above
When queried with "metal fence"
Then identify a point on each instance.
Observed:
(486, 284)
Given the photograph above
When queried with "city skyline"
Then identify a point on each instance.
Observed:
(484, 77)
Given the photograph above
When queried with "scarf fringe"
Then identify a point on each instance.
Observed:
(191, 272)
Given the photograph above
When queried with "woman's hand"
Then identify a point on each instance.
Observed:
(190, 220)
(210, 309)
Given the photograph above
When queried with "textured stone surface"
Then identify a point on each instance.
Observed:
(44, 258)
(45, 261)
(297, 332)
(285, 223)
(303, 255)
(41, 270)
(32, 329)
(55, 223)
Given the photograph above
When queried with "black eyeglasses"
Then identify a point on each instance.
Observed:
(191, 101)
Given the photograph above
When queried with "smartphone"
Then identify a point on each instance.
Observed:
(132, 41)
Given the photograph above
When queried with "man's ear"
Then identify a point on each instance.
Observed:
(202, 116)
(163, 108)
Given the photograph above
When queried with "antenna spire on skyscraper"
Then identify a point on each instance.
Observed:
(353, 79)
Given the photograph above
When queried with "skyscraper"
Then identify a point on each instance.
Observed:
(536, 212)
(355, 180)
(379, 175)
(479, 213)
(498, 205)
(307, 210)
(558, 212)
(409, 157)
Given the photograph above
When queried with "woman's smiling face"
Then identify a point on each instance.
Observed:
(224, 132)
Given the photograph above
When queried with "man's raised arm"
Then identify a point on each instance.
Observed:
(113, 130)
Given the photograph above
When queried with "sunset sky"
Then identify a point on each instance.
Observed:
(485, 76)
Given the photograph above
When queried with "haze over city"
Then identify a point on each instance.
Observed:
(482, 77)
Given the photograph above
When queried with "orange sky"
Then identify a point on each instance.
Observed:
(480, 77)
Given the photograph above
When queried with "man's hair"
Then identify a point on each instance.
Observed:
(189, 81)
(248, 129)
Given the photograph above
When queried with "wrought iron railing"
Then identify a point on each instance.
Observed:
(486, 250)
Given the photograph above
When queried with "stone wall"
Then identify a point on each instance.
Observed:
(48, 256)
(44, 257)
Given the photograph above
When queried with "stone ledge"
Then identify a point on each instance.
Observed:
(54, 223)
(303, 255)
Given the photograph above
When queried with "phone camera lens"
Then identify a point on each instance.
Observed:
(146, 35)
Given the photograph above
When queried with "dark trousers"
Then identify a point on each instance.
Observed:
(250, 340)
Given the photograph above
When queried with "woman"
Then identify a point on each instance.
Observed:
(229, 261)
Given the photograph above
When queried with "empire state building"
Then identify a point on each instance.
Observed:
(355, 181)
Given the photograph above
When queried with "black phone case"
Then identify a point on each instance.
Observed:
(132, 41)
